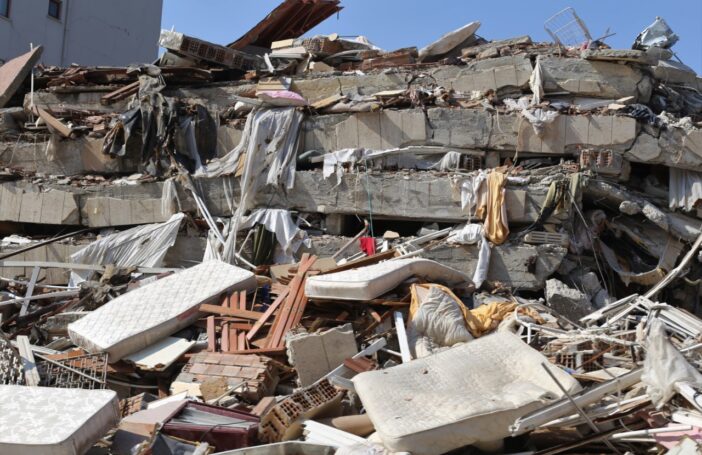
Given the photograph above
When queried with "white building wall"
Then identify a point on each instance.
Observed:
(90, 32)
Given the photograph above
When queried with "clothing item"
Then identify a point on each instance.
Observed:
(496, 228)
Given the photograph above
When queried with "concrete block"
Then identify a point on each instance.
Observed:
(595, 78)
(576, 129)
(347, 134)
(600, 131)
(570, 303)
(314, 355)
(368, 130)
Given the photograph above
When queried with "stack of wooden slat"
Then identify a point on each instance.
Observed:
(292, 307)
(241, 330)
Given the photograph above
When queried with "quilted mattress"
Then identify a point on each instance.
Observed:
(140, 318)
(48, 421)
(470, 393)
(368, 283)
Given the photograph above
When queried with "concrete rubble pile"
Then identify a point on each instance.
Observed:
(308, 244)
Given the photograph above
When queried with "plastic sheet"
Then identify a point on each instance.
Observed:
(665, 366)
(684, 189)
(279, 222)
(333, 162)
(144, 246)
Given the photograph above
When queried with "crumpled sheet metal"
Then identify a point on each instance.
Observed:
(468, 394)
(658, 34)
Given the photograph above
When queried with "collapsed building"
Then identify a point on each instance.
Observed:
(279, 233)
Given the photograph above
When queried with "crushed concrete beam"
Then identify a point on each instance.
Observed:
(478, 130)
(55, 252)
(678, 225)
(26, 203)
(84, 155)
(506, 75)
(620, 55)
(409, 196)
(473, 51)
(674, 147)
(595, 78)
(414, 196)
(14, 73)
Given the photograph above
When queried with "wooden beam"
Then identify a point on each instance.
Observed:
(267, 314)
(30, 291)
(31, 374)
(211, 335)
(243, 314)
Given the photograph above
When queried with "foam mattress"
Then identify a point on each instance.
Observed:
(48, 421)
(368, 283)
(470, 393)
(140, 318)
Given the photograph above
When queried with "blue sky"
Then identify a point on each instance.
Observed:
(392, 24)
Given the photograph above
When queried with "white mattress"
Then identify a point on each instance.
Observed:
(142, 317)
(368, 283)
(48, 421)
(467, 394)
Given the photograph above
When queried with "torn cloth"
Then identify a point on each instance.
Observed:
(436, 320)
(473, 191)
(144, 246)
(279, 222)
(496, 227)
(268, 146)
(486, 318)
(471, 234)
(684, 189)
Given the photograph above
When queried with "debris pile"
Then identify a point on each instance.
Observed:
(309, 244)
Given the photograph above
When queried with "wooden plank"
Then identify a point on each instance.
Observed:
(211, 334)
(243, 314)
(67, 265)
(267, 314)
(242, 300)
(31, 374)
(276, 332)
(295, 303)
(120, 93)
(30, 291)
(402, 337)
(375, 315)
(263, 351)
(363, 262)
(224, 338)
(53, 123)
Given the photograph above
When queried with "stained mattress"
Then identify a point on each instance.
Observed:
(48, 421)
(145, 315)
(368, 283)
(467, 394)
